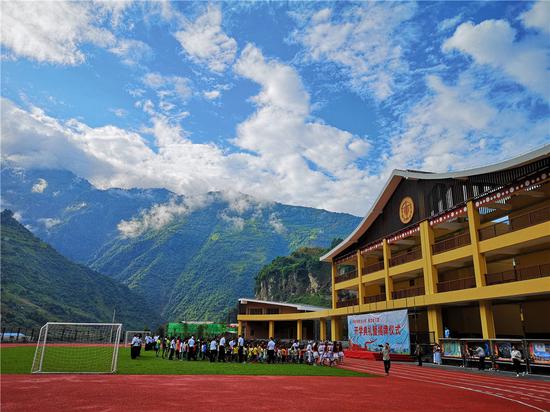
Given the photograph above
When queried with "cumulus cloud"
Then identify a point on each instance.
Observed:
(493, 42)
(39, 186)
(364, 41)
(456, 127)
(205, 42)
(537, 17)
(57, 31)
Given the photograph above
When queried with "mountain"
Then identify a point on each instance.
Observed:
(191, 257)
(297, 278)
(40, 285)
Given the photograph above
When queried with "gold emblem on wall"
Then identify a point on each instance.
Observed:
(406, 210)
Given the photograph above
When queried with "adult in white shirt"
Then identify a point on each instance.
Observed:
(221, 350)
(271, 351)
(516, 359)
(136, 344)
(213, 348)
(240, 343)
(191, 352)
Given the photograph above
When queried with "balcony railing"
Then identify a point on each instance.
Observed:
(345, 276)
(457, 284)
(531, 272)
(406, 257)
(345, 303)
(408, 293)
(452, 243)
(375, 298)
(375, 267)
(531, 218)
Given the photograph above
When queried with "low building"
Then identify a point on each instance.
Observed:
(285, 329)
(464, 251)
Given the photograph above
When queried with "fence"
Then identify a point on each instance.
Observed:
(18, 335)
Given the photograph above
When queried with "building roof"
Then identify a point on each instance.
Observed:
(298, 306)
(398, 175)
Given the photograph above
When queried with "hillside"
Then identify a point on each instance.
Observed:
(191, 257)
(40, 285)
(298, 278)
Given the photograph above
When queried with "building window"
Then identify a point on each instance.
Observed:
(255, 311)
(272, 311)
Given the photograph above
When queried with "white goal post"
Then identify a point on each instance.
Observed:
(129, 335)
(77, 348)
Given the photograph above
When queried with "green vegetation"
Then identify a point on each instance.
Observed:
(193, 268)
(40, 285)
(19, 360)
(298, 278)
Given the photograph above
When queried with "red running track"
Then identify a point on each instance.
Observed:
(515, 393)
(408, 388)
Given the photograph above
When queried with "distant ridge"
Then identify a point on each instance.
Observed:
(40, 285)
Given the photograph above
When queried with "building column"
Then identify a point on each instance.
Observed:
(388, 281)
(435, 322)
(480, 265)
(322, 329)
(430, 271)
(487, 320)
(334, 328)
(299, 329)
(359, 279)
(240, 327)
(334, 293)
(271, 329)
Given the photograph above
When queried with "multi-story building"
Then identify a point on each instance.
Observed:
(465, 251)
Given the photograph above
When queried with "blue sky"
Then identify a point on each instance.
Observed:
(303, 103)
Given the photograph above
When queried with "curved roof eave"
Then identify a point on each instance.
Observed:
(397, 175)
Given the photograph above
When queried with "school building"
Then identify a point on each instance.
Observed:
(466, 251)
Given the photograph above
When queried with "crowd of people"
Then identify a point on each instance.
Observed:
(222, 349)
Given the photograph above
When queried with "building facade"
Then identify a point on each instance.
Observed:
(464, 251)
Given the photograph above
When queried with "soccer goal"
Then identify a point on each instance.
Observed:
(77, 348)
(130, 335)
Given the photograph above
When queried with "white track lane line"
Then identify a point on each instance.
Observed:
(464, 376)
(467, 389)
(483, 383)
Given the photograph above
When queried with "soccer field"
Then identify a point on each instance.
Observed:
(18, 360)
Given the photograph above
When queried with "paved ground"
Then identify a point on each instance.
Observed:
(408, 388)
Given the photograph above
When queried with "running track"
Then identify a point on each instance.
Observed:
(408, 388)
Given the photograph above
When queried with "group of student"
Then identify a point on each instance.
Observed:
(221, 349)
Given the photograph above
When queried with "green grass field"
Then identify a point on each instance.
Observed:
(19, 360)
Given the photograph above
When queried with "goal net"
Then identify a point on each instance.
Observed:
(130, 335)
(77, 348)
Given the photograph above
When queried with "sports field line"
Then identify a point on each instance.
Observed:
(533, 386)
(448, 377)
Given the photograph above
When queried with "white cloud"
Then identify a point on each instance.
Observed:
(40, 186)
(119, 112)
(276, 223)
(55, 32)
(449, 23)
(161, 215)
(538, 17)
(364, 41)
(212, 95)
(493, 43)
(49, 222)
(236, 222)
(205, 42)
(458, 127)
(131, 52)
(75, 207)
